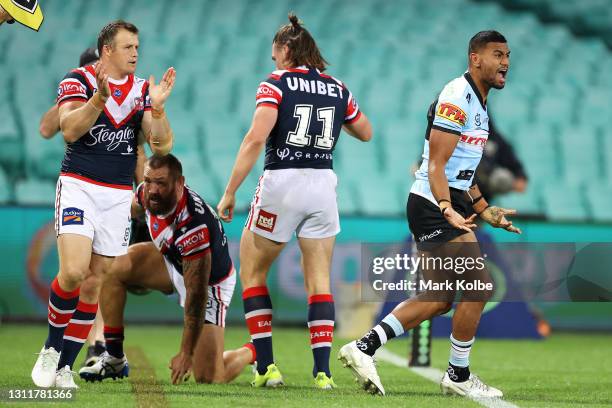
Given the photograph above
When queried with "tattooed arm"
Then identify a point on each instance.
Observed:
(496, 216)
(196, 273)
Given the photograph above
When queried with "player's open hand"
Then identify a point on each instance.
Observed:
(496, 216)
(180, 365)
(456, 220)
(102, 80)
(160, 92)
(225, 208)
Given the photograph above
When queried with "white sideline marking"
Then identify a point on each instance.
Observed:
(435, 375)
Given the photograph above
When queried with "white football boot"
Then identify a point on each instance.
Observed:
(363, 367)
(107, 366)
(473, 387)
(43, 373)
(64, 378)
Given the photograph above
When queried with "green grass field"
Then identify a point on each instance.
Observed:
(567, 370)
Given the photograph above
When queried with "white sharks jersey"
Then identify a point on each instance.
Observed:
(459, 109)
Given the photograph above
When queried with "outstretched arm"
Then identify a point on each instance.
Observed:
(496, 216)
(196, 274)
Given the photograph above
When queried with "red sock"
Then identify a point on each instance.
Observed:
(251, 347)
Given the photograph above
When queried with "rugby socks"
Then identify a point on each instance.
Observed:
(99, 347)
(388, 328)
(258, 315)
(321, 317)
(76, 332)
(62, 305)
(459, 363)
(113, 336)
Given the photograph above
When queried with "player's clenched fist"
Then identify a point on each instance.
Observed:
(225, 208)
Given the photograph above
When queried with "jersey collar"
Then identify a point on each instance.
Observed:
(470, 80)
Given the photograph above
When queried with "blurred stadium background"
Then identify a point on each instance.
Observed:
(394, 55)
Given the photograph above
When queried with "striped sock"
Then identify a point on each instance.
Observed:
(113, 336)
(61, 307)
(459, 362)
(387, 329)
(258, 315)
(321, 316)
(76, 333)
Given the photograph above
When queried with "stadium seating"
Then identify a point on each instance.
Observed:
(394, 56)
(590, 17)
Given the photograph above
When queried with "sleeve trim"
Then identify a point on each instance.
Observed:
(447, 130)
(197, 255)
(268, 104)
(72, 99)
(353, 120)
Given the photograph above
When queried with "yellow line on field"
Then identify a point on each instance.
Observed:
(148, 391)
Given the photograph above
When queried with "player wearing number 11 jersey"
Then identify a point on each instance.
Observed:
(300, 112)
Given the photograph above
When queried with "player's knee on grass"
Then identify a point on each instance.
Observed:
(208, 375)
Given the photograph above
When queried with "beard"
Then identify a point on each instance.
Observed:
(160, 205)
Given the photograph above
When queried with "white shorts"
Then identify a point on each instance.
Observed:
(98, 212)
(300, 201)
(219, 294)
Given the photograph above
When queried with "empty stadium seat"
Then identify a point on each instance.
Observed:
(565, 203)
(34, 192)
(394, 56)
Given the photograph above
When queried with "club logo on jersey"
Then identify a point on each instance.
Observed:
(266, 221)
(117, 93)
(72, 216)
(453, 113)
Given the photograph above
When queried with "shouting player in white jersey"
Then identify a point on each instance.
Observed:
(189, 255)
(102, 110)
(442, 207)
(300, 112)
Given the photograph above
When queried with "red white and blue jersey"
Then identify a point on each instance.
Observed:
(106, 154)
(312, 107)
(189, 232)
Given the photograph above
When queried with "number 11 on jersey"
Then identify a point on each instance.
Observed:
(300, 136)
